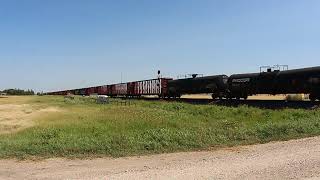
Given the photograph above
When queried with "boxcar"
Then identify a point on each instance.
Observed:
(121, 89)
(102, 90)
(91, 90)
(157, 87)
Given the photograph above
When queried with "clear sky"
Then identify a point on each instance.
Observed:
(62, 44)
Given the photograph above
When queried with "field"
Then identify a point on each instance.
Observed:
(49, 126)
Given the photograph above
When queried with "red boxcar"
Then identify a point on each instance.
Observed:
(102, 90)
(147, 87)
(90, 90)
(152, 87)
(121, 89)
(131, 88)
(135, 89)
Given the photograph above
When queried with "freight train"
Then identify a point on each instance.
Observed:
(237, 86)
(157, 87)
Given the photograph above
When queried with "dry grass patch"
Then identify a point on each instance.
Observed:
(15, 99)
(15, 117)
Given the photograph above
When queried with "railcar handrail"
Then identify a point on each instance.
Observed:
(186, 76)
(277, 67)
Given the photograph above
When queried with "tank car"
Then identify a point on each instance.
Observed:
(217, 85)
(242, 85)
(306, 80)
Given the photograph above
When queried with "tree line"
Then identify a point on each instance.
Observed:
(18, 92)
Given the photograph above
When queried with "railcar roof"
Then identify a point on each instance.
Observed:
(303, 70)
(204, 77)
(244, 75)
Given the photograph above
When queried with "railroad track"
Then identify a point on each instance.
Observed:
(266, 104)
(271, 104)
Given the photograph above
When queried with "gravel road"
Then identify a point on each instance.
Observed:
(296, 159)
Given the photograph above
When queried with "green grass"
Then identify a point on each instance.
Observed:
(85, 129)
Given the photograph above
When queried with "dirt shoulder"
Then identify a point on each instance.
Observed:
(296, 159)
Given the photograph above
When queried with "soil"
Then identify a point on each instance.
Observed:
(296, 159)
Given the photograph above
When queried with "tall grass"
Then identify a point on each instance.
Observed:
(86, 129)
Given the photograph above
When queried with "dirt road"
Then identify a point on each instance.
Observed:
(297, 159)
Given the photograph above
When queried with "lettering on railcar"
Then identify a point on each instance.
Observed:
(242, 80)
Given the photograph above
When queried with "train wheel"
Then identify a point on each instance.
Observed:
(213, 96)
(175, 96)
(312, 97)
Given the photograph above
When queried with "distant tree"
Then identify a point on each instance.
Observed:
(18, 92)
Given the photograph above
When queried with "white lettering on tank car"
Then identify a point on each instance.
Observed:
(243, 80)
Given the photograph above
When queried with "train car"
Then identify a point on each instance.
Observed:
(157, 87)
(91, 90)
(306, 81)
(131, 89)
(102, 90)
(216, 85)
(80, 92)
(63, 93)
(117, 90)
(243, 85)
(60, 93)
(121, 89)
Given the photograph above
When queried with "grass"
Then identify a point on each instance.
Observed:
(85, 129)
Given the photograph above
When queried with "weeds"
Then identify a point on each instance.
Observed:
(86, 129)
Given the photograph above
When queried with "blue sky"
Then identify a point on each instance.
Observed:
(61, 44)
